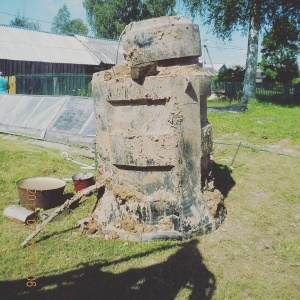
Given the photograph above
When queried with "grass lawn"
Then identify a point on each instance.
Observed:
(254, 254)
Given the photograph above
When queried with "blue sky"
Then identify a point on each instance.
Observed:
(229, 53)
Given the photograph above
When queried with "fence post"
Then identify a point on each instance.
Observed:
(12, 84)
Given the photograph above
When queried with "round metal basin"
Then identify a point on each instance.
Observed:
(41, 192)
(82, 181)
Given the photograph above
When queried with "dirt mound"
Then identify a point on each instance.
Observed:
(214, 200)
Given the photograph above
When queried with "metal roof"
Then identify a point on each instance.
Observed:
(213, 69)
(29, 45)
(105, 50)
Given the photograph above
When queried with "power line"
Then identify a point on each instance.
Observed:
(5, 13)
(221, 47)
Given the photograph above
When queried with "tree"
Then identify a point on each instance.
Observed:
(62, 23)
(77, 26)
(23, 22)
(235, 73)
(108, 18)
(280, 47)
(248, 15)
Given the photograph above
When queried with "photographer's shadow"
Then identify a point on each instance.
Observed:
(183, 272)
(184, 269)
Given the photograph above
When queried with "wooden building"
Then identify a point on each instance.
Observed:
(25, 51)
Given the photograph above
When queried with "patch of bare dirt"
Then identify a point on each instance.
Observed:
(283, 146)
(127, 193)
(214, 199)
(128, 226)
(90, 227)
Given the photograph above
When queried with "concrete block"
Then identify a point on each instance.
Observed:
(160, 39)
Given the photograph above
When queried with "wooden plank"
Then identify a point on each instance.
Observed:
(143, 70)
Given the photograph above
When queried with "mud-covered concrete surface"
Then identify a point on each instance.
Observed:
(154, 143)
(160, 39)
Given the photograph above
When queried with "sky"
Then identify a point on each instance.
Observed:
(229, 53)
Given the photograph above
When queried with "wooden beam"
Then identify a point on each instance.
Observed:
(143, 70)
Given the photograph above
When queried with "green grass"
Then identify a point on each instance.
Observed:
(262, 124)
(253, 255)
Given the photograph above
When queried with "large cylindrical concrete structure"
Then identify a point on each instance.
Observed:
(153, 137)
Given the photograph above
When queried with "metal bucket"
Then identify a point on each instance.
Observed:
(41, 192)
(82, 181)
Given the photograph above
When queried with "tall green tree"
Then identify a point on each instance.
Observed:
(24, 22)
(250, 16)
(236, 73)
(280, 47)
(108, 18)
(63, 24)
(61, 21)
(77, 26)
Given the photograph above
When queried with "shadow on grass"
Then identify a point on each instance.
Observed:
(184, 269)
(45, 237)
(67, 196)
(228, 108)
(292, 100)
(223, 180)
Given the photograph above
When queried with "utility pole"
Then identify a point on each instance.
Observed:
(24, 9)
(204, 46)
(205, 49)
